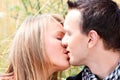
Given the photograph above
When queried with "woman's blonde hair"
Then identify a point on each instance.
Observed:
(27, 53)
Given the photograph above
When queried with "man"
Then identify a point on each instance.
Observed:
(93, 39)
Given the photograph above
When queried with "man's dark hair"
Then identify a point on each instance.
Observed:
(103, 16)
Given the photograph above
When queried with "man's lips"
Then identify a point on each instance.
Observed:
(66, 52)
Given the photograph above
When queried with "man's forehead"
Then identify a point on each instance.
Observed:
(73, 18)
(73, 13)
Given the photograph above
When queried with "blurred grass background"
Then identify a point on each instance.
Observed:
(13, 12)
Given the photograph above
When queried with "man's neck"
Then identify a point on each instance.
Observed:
(104, 63)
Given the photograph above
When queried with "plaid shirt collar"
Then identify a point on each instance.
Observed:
(88, 75)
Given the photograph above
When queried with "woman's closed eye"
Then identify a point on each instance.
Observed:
(59, 38)
(60, 35)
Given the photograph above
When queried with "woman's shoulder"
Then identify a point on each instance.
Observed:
(7, 76)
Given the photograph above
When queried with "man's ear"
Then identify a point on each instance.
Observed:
(93, 38)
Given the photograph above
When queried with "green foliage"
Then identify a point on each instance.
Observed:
(71, 71)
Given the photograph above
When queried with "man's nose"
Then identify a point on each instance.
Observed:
(65, 41)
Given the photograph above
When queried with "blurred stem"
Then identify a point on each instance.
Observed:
(24, 6)
(38, 6)
(30, 4)
(62, 2)
(64, 9)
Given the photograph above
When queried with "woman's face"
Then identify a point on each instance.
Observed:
(54, 49)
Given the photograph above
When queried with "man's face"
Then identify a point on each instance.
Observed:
(74, 40)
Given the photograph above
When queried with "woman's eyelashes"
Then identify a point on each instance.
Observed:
(60, 35)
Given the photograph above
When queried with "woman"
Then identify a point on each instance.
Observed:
(36, 52)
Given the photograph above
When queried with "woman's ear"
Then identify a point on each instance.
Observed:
(93, 38)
